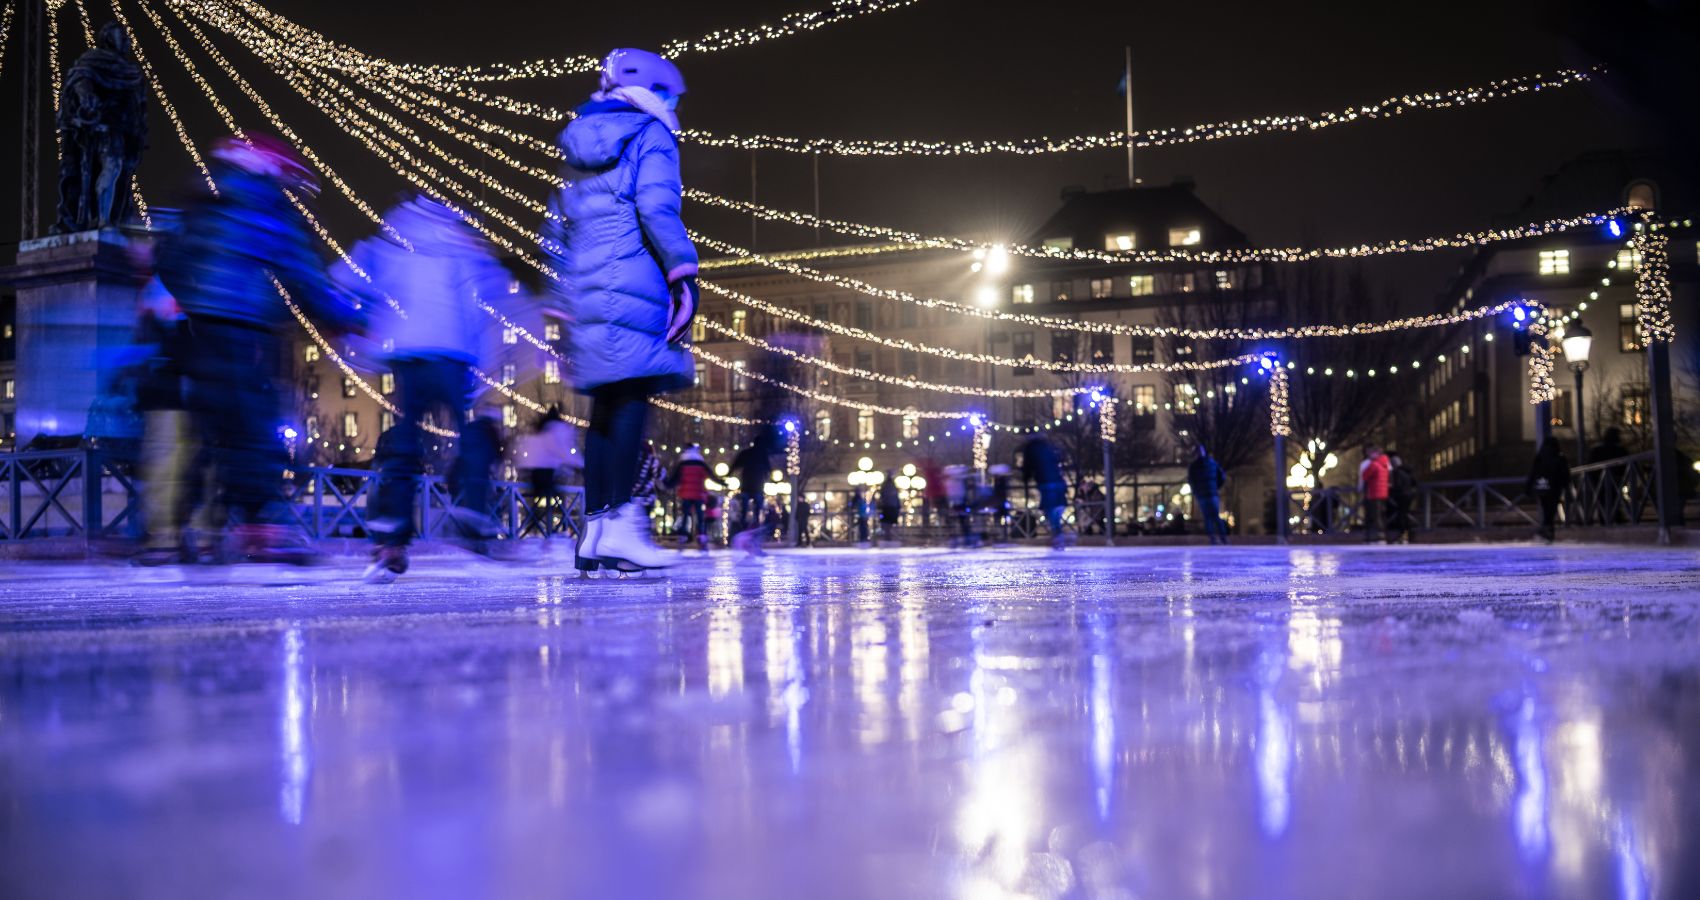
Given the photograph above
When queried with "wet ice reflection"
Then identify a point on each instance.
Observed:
(1178, 726)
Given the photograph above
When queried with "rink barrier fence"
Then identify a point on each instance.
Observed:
(57, 494)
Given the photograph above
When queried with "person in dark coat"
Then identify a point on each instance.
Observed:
(1041, 465)
(1205, 477)
(1401, 494)
(890, 505)
(1549, 478)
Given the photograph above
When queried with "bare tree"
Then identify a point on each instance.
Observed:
(1222, 408)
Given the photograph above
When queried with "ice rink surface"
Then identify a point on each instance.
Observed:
(1458, 721)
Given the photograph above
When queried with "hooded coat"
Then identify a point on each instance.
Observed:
(617, 243)
(437, 283)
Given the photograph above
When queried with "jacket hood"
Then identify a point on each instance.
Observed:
(599, 135)
(432, 228)
(691, 454)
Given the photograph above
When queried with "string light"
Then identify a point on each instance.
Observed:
(1390, 107)
(705, 414)
(1171, 254)
(265, 108)
(1027, 362)
(164, 101)
(1280, 412)
(913, 383)
(1094, 327)
(324, 52)
(1652, 285)
(5, 31)
(448, 78)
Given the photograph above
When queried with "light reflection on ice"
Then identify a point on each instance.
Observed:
(1530, 811)
(292, 731)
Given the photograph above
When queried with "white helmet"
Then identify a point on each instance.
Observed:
(641, 68)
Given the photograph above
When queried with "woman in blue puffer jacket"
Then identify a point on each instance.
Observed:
(627, 271)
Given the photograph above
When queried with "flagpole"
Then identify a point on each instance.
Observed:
(1128, 93)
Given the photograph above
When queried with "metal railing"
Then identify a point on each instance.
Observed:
(88, 494)
(1616, 492)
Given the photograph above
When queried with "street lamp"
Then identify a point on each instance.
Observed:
(1578, 341)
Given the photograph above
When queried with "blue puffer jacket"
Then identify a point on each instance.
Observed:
(218, 261)
(616, 241)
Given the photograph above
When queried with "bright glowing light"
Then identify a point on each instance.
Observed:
(721, 469)
(997, 261)
(290, 434)
(986, 296)
(909, 469)
(865, 464)
(778, 476)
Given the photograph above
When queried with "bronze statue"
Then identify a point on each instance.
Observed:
(103, 128)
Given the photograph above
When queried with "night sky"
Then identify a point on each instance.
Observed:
(952, 69)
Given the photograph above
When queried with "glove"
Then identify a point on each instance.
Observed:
(683, 310)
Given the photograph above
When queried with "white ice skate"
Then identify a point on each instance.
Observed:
(584, 554)
(624, 538)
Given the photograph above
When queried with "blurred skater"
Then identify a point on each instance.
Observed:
(545, 453)
(689, 482)
(1040, 465)
(224, 266)
(1549, 478)
(436, 268)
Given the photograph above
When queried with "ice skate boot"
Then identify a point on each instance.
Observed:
(388, 564)
(584, 552)
(625, 539)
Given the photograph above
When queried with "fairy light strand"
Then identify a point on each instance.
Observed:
(1094, 327)
(1652, 285)
(1280, 410)
(321, 51)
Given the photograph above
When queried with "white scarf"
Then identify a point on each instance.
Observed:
(644, 99)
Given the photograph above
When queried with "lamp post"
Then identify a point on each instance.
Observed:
(1578, 341)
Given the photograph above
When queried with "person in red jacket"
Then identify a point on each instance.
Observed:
(1373, 476)
(689, 483)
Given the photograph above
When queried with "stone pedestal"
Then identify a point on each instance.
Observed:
(76, 310)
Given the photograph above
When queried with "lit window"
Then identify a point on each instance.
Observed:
(1021, 347)
(11, 389)
(911, 428)
(1185, 283)
(1022, 293)
(8, 334)
(1062, 405)
(348, 387)
(386, 382)
(552, 371)
(1144, 398)
(1103, 288)
(508, 373)
(1555, 262)
(551, 330)
(1629, 329)
(510, 335)
(1185, 237)
(350, 425)
(1124, 241)
(1143, 285)
(823, 425)
(510, 416)
(740, 319)
(311, 353)
(513, 286)
(699, 330)
(740, 382)
(1224, 280)
(1629, 258)
(1186, 398)
(1635, 409)
(386, 420)
(1059, 243)
(312, 424)
(865, 425)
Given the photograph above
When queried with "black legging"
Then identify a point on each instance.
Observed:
(618, 413)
